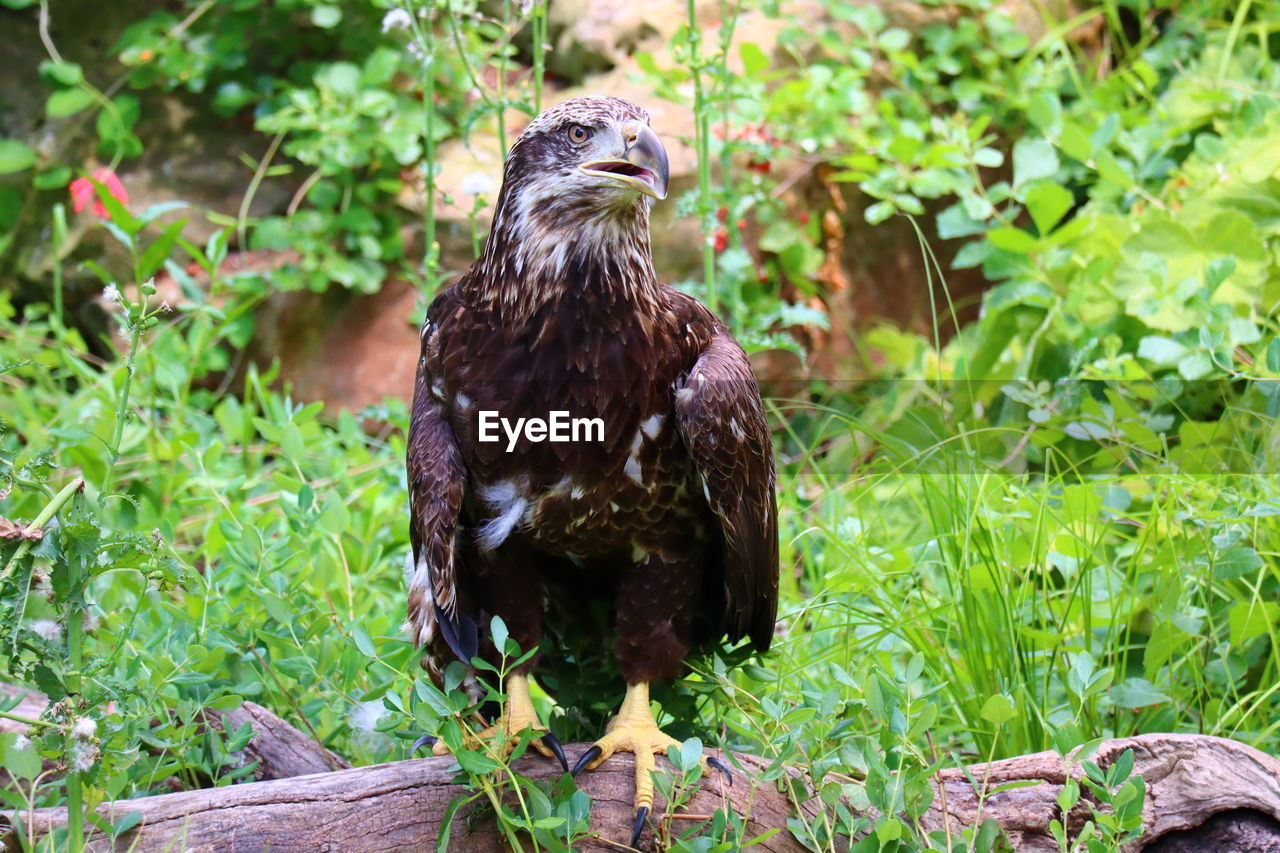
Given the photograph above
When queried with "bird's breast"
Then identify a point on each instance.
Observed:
(577, 451)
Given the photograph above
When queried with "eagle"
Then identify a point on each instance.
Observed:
(663, 517)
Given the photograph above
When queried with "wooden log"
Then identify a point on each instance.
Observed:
(399, 806)
(280, 749)
(1189, 779)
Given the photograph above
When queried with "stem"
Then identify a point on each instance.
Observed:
(59, 237)
(27, 721)
(122, 409)
(539, 59)
(51, 509)
(429, 145)
(75, 660)
(702, 142)
(502, 77)
(242, 218)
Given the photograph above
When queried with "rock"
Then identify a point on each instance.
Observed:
(363, 350)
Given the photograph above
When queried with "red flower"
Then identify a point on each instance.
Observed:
(83, 191)
(722, 239)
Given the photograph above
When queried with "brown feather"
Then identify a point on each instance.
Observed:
(672, 513)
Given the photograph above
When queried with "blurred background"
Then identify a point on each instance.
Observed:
(1009, 273)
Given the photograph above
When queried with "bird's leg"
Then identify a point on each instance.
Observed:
(635, 730)
(517, 715)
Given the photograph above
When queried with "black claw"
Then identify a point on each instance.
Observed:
(638, 827)
(553, 744)
(712, 761)
(425, 740)
(587, 757)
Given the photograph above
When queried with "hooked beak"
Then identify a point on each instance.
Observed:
(643, 165)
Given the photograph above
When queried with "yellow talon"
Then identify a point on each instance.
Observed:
(633, 730)
(517, 716)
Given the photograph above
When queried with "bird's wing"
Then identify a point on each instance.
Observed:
(437, 483)
(722, 423)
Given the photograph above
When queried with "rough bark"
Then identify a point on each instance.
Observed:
(281, 751)
(1189, 778)
(399, 807)
(1199, 788)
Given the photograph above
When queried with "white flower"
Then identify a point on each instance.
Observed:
(477, 183)
(47, 629)
(84, 729)
(83, 759)
(111, 293)
(416, 51)
(396, 19)
(365, 716)
(21, 741)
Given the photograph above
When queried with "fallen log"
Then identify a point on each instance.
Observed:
(1189, 779)
(400, 806)
(280, 749)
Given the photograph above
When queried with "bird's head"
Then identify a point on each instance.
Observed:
(591, 156)
(573, 212)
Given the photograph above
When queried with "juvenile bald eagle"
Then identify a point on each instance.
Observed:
(669, 517)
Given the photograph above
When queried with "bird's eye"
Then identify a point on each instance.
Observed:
(579, 134)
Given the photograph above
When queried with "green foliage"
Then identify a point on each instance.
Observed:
(1057, 526)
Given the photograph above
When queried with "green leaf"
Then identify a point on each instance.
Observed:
(67, 102)
(889, 830)
(1110, 170)
(989, 157)
(20, 763)
(475, 764)
(361, 638)
(1013, 240)
(1044, 112)
(61, 73)
(1033, 159)
(446, 823)
(1236, 562)
(1047, 204)
(894, 38)
(154, 257)
(998, 709)
(754, 59)
(15, 156)
(326, 16)
(1074, 142)
(1161, 350)
(498, 630)
(52, 179)
(1250, 619)
(1273, 355)
(1195, 365)
(1136, 693)
(49, 683)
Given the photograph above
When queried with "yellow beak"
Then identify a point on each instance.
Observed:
(643, 165)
